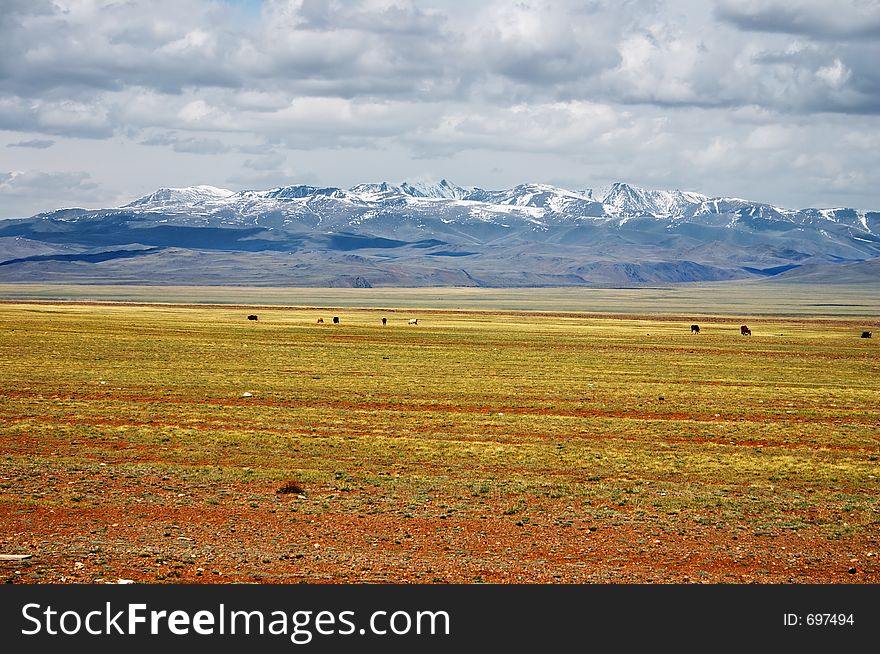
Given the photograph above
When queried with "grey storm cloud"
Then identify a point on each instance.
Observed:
(832, 68)
(818, 19)
(88, 46)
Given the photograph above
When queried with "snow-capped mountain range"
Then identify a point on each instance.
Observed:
(541, 203)
(436, 233)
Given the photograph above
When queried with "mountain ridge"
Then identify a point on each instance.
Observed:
(620, 199)
(437, 233)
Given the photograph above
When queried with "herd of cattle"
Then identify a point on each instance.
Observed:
(745, 331)
(412, 321)
(695, 329)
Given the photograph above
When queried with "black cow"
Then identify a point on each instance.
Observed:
(384, 321)
(695, 329)
(252, 317)
(745, 331)
(335, 320)
(866, 334)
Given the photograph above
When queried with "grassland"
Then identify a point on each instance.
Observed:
(149, 442)
(739, 298)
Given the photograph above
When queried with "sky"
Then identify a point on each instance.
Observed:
(102, 101)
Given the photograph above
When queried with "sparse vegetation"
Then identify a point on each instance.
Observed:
(497, 446)
(291, 486)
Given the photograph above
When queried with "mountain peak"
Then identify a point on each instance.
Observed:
(533, 202)
(374, 191)
(435, 233)
(444, 189)
(297, 191)
(622, 199)
(182, 195)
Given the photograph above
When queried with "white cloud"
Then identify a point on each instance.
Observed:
(549, 127)
(272, 161)
(834, 75)
(769, 137)
(19, 188)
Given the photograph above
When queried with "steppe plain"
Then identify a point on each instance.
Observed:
(532, 435)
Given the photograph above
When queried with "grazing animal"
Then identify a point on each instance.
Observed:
(695, 329)
(320, 321)
(414, 321)
(252, 317)
(384, 320)
(335, 320)
(745, 331)
(866, 334)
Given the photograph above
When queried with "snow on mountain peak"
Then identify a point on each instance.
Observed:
(374, 192)
(540, 204)
(183, 195)
(440, 190)
(298, 191)
(622, 199)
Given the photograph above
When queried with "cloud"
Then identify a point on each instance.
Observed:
(366, 50)
(548, 127)
(571, 89)
(272, 161)
(671, 66)
(208, 70)
(19, 189)
(544, 43)
(37, 144)
(817, 19)
(265, 179)
(769, 137)
(18, 181)
(91, 119)
(128, 44)
(835, 74)
(191, 145)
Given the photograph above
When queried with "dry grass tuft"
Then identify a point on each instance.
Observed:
(291, 486)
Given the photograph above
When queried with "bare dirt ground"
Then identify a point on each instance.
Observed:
(223, 545)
